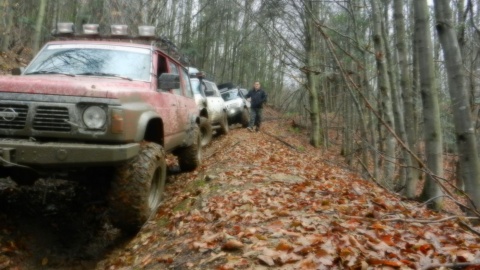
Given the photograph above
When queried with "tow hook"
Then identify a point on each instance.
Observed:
(6, 156)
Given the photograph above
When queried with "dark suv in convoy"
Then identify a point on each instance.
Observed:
(90, 103)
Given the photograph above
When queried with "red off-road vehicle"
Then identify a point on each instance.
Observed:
(92, 103)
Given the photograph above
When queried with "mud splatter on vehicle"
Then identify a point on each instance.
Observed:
(91, 104)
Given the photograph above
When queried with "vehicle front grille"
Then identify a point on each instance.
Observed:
(17, 122)
(51, 119)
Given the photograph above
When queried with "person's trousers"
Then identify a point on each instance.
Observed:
(255, 117)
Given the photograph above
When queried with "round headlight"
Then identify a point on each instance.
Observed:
(94, 117)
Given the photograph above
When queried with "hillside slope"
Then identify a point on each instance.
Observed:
(268, 200)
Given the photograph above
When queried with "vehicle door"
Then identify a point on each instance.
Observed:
(166, 104)
(215, 101)
(188, 110)
(171, 110)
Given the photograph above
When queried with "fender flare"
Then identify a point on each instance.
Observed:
(142, 124)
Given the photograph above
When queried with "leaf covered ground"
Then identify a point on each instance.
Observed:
(268, 200)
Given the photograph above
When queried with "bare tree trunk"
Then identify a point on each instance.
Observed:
(408, 134)
(386, 99)
(397, 105)
(467, 145)
(431, 112)
(39, 26)
(187, 25)
(311, 10)
(8, 15)
(172, 18)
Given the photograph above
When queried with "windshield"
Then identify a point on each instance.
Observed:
(195, 83)
(97, 60)
(229, 95)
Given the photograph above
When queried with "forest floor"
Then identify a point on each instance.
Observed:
(263, 200)
(270, 200)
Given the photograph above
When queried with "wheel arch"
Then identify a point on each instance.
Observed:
(203, 113)
(150, 128)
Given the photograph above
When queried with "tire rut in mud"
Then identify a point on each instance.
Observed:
(54, 224)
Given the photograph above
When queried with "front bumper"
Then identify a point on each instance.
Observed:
(25, 152)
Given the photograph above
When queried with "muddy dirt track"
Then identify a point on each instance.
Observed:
(57, 224)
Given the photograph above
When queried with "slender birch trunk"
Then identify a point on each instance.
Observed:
(408, 134)
(386, 99)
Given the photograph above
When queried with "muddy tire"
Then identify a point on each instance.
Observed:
(206, 131)
(224, 125)
(190, 157)
(245, 118)
(137, 187)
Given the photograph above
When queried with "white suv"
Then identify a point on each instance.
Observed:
(213, 113)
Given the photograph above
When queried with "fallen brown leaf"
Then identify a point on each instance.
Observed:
(232, 245)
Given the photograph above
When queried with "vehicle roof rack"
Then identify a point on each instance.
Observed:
(194, 72)
(146, 35)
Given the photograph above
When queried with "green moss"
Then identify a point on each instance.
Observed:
(199, 184)
(295, 130)
(162, 222)
(183, 206)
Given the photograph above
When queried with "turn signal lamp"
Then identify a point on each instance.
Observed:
(90, 29)
(146, 31)
(119, 29)
(65, 28)
(117, 121)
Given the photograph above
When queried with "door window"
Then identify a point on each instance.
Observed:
(186, 83)
(174, 70)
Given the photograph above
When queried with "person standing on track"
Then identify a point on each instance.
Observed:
(257, 98)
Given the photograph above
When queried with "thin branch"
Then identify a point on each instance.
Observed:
(282, 141)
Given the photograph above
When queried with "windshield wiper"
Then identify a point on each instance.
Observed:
(106, 75)
(50, 72)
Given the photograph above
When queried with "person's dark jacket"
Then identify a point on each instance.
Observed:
(257, 98)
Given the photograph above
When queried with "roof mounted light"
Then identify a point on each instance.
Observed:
(146, 31)
(65, 28)
(119, 29)
(90, 29)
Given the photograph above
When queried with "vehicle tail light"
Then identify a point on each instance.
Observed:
(90, 29)
(119, 29)
(146, 31)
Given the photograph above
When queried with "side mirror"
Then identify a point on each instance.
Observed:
(17, 71)
(168, 81)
